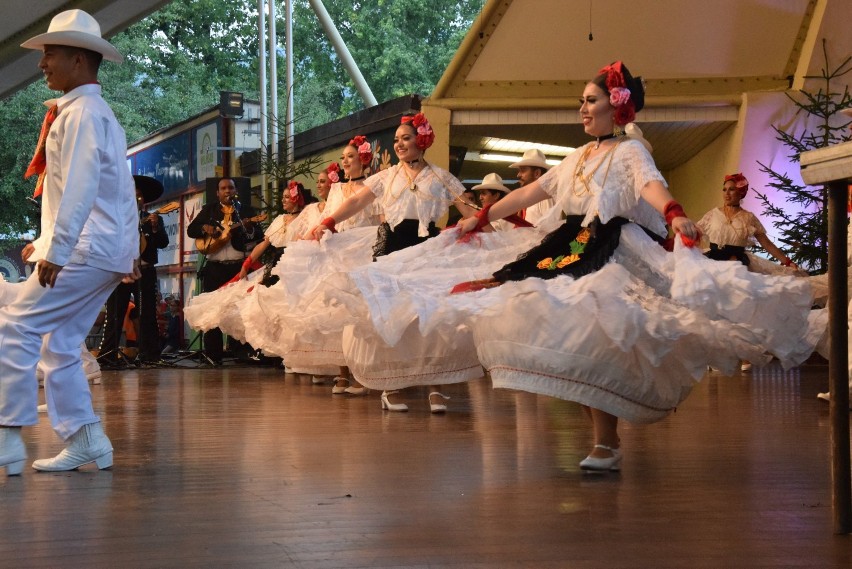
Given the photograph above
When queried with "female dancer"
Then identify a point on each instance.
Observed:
(276, 323)
(355, 159)
(222, 308)
(599, 312)
(616, 200)
(412, 195)
(283, 229)
(730, 228)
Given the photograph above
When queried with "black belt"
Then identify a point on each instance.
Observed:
(727, 252)
(226, 262)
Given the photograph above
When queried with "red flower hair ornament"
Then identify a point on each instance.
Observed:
(620, 95)
(365, 151)
(295, 194)
(425, 134)
(333, 172)
(740, 183)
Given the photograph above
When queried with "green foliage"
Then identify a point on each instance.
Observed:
(806, 228)
(180, 57)
(400, 46)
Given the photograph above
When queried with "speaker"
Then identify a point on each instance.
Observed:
(243, 189)
(457, 154)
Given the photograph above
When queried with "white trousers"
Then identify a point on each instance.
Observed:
(64, 314)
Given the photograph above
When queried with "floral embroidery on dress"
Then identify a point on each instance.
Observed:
(578, 246)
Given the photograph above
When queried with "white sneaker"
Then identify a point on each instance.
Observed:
(89, 444)
(746, 366)
(824, 396)
(42, 408)
(94, 377)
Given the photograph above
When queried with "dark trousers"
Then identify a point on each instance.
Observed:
(217, 273)
(116, 309)
(149, 332)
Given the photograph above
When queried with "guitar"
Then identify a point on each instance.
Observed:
(209, 244)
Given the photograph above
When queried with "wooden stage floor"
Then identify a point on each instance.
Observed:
(242, 467)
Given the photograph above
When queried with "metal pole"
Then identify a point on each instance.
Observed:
(273, 91)
(838, 363)
(343, 53)
(288, 126)
(264, 111)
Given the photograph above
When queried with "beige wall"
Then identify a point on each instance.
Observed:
(439, 118)
(697, 183)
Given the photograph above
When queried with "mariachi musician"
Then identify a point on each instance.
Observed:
(152, 237)
(224, 232)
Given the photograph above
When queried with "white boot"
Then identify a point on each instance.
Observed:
(13, 453)
(89, 444)
(90, 366)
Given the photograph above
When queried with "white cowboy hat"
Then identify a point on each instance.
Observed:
(492, 182)
(532, 157)
(75, 28)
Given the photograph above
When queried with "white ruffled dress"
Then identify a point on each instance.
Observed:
(302, 318)
(223, 308)
(630, 339)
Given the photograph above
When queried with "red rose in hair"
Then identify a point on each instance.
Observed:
(358, 141)
(365, 153)
(625, 113)
(422, 128)
(294, 191)
(425, 139)
(333, 172)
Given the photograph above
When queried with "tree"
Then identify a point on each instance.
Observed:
(397, 49)
(180, 57)
(807, 229)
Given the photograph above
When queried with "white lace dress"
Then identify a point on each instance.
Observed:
(302, 317)
(223, 308)
(630, 339)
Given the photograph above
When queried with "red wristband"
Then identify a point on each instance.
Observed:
(788, 262)
(482, 218)
(329, 222)
(673, 210)
(247, 263)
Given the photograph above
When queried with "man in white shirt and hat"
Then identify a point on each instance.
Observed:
(490, 191)
(530, 168)
(88, 242)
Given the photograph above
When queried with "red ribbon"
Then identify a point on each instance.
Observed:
(38, 164)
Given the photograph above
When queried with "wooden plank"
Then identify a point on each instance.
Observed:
(239, 467)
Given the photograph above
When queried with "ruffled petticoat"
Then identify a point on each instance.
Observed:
(630, 339)
(221, 308)
(387, 347)
(301, 317)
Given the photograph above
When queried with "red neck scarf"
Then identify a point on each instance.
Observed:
(38, 164)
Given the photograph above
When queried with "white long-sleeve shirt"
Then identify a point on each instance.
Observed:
(88, 212)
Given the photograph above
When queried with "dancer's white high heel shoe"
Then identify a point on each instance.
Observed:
(386, 404)
(601, 464)
(437, 407)
(340, 389)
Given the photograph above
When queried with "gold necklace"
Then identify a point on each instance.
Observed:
(730, 216)
(411, 185)
(579, 169)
